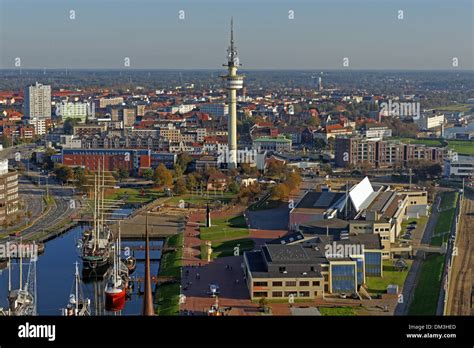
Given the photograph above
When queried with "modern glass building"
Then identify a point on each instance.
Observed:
(373, 263)
(343, 276)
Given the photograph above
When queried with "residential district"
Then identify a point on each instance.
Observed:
(321, 199)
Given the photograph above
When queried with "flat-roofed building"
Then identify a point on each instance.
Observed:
(462, 167)
(304, 266)
(278, 144)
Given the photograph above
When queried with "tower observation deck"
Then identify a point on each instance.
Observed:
(233, 83)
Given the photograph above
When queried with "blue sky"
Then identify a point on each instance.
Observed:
(321, 34)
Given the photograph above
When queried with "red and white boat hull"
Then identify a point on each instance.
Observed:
(115, 299)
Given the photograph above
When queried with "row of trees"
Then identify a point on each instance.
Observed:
(282, 190)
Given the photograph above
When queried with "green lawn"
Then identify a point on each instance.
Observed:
(456, 107)
(427, 291)
(197, 199)
(134, 195)
(223, 229)
(378, 285)
(427, 142)
(226, 248)
(463, 147)
(175, 241)
(449, 200)
(168, 299)
(443, 226)
(170, 263)
(337, 311)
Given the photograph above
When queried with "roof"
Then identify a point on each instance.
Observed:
(360, 193)
(272, 139)
(319, 200)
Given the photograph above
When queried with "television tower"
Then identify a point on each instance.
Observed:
(233, 83)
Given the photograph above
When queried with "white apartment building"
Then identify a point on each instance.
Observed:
(426, 122)
(75, 110)
(215, 109)
(104, 102)
(462, 168)
(39, 124)
(37, 102)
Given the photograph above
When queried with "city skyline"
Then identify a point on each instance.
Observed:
(320, 35)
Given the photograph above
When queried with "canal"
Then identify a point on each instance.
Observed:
(55, 276)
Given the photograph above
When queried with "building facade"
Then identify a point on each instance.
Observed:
(9, 198)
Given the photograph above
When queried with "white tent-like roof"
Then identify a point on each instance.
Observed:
(360, 193)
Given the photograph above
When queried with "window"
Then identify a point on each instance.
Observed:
(343, 278)
(290, 283)
(304, 294)
(277, 283)
(305, 283)
(373, 264)
(316, 283)
(282, 269)
(259, 294)
(277, 294)
(288, 293)
(260, 284)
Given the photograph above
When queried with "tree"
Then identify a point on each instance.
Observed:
(192, 182)
(280, 192)
(162, 176)
(47, 161)
(147, 174)
(183, 160)
(6, 142)
(180, 186)
(234, 187)
(293, 180)
(319, 144)
(69, 124)
(276, 168)
(122, 174)
(263, 303)
(63, 173)
(248, 169)
(178, 171)
(80, 177)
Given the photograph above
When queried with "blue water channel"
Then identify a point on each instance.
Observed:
(55, 276)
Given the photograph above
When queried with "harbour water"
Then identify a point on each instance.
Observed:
(55, 276)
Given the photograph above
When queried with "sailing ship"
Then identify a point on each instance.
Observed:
(22, 301)
(78, 305)
(97, 241)
(117, 285)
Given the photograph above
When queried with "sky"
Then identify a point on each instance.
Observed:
(150, 33)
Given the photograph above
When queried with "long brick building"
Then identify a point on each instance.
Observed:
(382, 153)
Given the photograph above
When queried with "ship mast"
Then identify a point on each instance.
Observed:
(77, 288)
(21, 266)
(147, 297)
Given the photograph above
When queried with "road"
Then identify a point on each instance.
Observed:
(33, 195)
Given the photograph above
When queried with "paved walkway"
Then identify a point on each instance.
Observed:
(411, 280)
